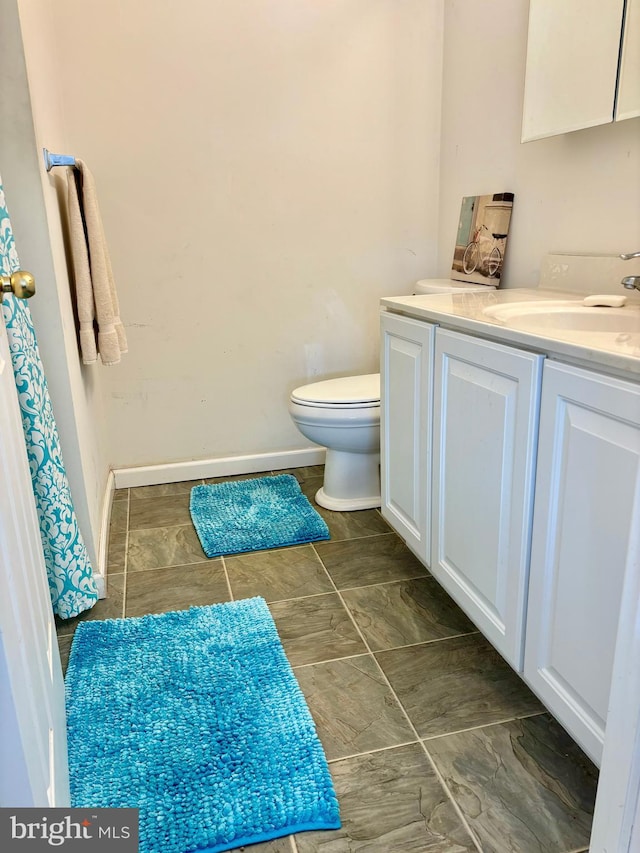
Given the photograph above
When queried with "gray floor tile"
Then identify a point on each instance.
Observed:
(163, 546)
(316, 629)
(352, 706)
(117, 541)
(116, 551)
(160, 590)
(390, 799)
(310, 484)
(119, 518)
(405, 612)
(305, 473)
(455, 684)
(167, 511)
(345, 525)
(278, 574)
(375, 559)
(111, 607)
(64, 647)
(164, 489)
(232, 477)
(390, 802)
(524, 786)
(278, 845)
(353, 525)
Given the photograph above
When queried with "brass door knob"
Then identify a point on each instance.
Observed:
(21, 283)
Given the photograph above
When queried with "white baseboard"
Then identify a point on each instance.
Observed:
(100, 571)
(198, 469)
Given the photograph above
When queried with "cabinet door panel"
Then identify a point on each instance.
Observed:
(486, 397)
(586, 496)
(628, 100)
(572, 65)
(406, 371)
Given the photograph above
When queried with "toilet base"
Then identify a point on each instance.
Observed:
(351, 481)
(345, 504)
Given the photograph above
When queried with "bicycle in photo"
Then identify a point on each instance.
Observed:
(476, 257)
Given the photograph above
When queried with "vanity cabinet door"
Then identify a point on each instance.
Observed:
(486, 399)
(406, 371)
(587, 496)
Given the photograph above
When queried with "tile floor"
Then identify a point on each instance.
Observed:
(434, 743)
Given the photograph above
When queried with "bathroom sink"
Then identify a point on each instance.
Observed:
(561, 316)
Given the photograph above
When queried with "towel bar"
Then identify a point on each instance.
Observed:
(51, 160)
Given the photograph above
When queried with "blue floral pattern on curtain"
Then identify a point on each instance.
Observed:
(71, 582)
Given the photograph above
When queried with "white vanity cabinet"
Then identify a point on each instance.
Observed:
(486, 398)
(587, 496)
(406, 372)
(534, 477)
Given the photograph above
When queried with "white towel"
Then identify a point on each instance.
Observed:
(101, 330)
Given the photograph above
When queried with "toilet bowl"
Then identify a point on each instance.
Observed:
(343, 415)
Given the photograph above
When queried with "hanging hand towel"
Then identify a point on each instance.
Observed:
(96, 296)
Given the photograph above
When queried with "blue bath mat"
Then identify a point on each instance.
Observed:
(196, 718)
(250, 515)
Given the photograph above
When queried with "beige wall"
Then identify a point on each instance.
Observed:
(579, 192)
(30, 115)
(267, 171)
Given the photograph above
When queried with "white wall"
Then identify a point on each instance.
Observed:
(579, 192)
(29, 116)
(267, 171)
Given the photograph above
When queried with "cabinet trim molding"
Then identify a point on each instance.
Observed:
(589, 432)
(406, 395)
(486, 399)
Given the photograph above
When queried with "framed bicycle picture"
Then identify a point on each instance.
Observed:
(482, 238)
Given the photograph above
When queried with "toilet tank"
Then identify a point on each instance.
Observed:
(446, 285)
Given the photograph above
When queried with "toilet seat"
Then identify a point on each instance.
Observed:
(346, 392)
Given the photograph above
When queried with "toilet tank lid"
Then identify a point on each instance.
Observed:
(346, 389)
(447, 285)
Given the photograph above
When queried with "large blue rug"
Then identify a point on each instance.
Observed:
(196, 718)
(250, 515)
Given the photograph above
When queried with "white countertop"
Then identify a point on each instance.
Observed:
(618, 354)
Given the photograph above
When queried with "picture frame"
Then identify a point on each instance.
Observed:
(481, 241)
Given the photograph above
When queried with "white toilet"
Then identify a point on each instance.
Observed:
(343, 415)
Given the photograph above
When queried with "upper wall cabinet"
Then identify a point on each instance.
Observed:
(583, 65)
(628, 100)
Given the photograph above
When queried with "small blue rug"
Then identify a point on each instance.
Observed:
(196, 718)
(251, 515)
